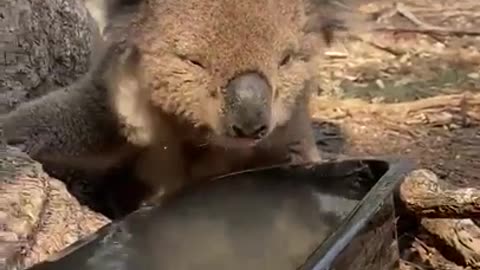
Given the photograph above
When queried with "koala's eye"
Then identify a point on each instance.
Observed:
(191, 60)
(196, 63)
(286, 59)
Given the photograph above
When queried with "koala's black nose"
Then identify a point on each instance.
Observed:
(248, 106)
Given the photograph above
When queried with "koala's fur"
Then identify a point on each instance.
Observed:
(106, 12)
(160, 96)
(72, 126)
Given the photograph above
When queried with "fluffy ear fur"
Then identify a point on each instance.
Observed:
(127, 100)
(104, 12)
(115, 61)
(328, 17)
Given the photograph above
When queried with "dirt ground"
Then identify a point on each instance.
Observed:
(359, 76)
(410, 89)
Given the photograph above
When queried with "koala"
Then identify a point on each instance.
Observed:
(225, 79)
(194, 89)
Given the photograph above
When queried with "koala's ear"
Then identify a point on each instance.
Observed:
(329, 17)
(98, 10)
(103, 12)
(324, 18)
(128, 101)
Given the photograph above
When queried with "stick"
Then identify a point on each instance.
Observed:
(424, 28)
(429, 31)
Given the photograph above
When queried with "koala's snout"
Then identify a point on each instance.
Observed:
(248, 106)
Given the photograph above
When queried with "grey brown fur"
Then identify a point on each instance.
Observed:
(162, 95)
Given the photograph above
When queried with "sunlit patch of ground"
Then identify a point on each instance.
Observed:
(372, 87)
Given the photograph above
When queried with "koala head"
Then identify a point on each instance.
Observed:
(232, 67)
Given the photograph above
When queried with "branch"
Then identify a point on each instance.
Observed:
(423, 27)
(429, 31)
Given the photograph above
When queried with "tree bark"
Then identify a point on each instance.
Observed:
(427, 196)
(38, 216)
(44, 45)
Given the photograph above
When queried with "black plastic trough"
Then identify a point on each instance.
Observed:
(336, 215)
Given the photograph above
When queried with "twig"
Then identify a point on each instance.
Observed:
(378, 46)
(386, 14)
(403, 10)
(429, 31)
(334, 54)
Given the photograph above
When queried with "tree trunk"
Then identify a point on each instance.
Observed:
(44, 45)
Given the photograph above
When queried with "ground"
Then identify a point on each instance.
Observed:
(360, 76)
(412, 91)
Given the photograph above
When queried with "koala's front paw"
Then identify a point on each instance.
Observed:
(153, 200)
(300, 153)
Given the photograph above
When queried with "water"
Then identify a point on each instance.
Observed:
(272, 219)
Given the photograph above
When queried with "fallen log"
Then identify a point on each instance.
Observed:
(427, 196)
(444, 212)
